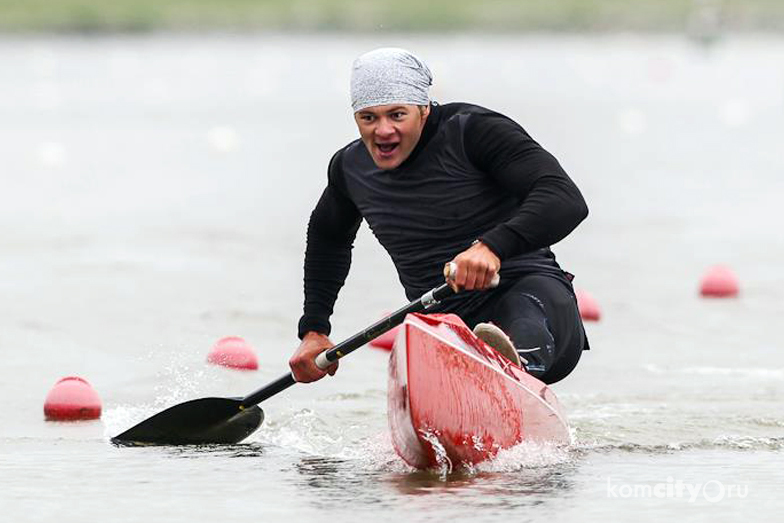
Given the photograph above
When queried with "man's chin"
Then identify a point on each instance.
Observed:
(387, 163)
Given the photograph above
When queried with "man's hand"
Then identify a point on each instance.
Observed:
(303, 362)
(476, 268)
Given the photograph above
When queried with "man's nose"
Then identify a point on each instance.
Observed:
(385, 128)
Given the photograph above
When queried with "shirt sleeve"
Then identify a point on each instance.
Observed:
(551, 204)
(331, 232)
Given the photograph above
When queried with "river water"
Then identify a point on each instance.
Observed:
(155, 194)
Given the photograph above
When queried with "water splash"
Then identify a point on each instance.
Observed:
(376, 453)
(181, 384)
(527, 455)
(303, 431)
(445, 466)
(177, 381)
(122, 417)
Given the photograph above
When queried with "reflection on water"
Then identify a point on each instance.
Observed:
(238, 450)
(339, 480)
(551, 480)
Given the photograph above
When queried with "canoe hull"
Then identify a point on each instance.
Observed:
(453, 399)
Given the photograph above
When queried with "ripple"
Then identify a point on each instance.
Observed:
(733, 441)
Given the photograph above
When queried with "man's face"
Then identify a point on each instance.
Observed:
(390, 132)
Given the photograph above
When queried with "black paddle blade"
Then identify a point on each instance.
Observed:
(195, 422)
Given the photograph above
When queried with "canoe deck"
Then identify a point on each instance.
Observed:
(452, 397)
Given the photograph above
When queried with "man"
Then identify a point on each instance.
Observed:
(438, 184)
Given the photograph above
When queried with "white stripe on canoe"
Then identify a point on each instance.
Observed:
(458, 348)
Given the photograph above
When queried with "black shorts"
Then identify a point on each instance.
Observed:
(539, 314)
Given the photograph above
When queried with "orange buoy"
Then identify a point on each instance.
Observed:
(719, 282)
(589, 309)
(72, 399)
(233, 352)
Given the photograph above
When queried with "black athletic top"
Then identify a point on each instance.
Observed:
(474, 174)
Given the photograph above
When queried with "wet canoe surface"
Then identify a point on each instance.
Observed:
(452, 398)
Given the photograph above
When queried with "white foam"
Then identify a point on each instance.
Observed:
(375, 453)
(526, 455)
(303, 431)
(742, 442)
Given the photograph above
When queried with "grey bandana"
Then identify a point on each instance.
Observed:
(387, 76)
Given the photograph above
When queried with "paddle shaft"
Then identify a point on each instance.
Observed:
(327, 358)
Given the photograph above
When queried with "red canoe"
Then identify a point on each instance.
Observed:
(451, 395)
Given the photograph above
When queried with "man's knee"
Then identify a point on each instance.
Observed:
(534, 342)
(524, 318)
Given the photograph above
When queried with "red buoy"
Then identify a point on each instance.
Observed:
(719, 282)
(72, 399)
(589, 309)
(233, 352)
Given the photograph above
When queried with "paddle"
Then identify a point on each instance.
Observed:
(230, 420)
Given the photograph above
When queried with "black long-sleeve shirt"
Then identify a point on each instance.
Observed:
(473, 174)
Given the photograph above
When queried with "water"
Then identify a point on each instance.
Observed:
(155, 196)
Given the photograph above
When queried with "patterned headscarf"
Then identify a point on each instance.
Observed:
(387, 76)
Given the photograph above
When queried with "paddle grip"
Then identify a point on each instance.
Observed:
(322, 362)
(450, 271)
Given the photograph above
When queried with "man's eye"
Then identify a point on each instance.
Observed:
(366, 118)
(398, 115)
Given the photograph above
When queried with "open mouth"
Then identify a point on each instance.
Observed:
(387, 149)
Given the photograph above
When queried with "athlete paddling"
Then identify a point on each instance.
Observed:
(453, 185)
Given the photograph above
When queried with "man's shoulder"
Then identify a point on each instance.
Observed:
(457, 109)
(352, 147)
(472, 117)
(338, 161)
(338, 156)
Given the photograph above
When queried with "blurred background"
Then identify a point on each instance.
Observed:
(402, 15)
(158, 164)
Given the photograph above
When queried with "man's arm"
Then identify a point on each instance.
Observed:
(551, 204)
(331, 231)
